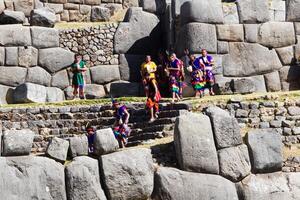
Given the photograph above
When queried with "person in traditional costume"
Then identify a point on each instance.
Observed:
(154, 97)
(121, 113)
(122, 132)
(91, 134)
(207, 62)
(161, 75)
(197, 75)
(78, 68)
(148, 67)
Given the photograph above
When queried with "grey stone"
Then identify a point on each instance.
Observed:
(194, 144)
(241, 113)
(105, 73)
(276, 34)
(17, 142)
(297, 28)
(230, 13)
(42, 17)
(124, 89)
(24, 6)
(243, 86)
(93, 91)
(57, 8)
(251, 33)
(39, 76)
(12, 17)
(265, 150)
(259, 82)
(30, 93)
(54, 95)
(99, 13)
(55, 59)
(2, 56)
(83, 179)
(230, 32)
(223, 47)
(129, 70)
(2, 6)
(6, 95)
(275, 124)
(223, 85)
(264, 125)
(289, 78)
(78, 146)
(28, 56)
(225, 127)
(11, 56)
(134, 163)
(273, 81)
(202, 11)
(138, 30)
(195, 37)
(286, 55)
(130, 3)
(287, 131)
(43, 37)
(173, 184)
(251, 57)
(294, 110)
(58, 149)
(234, 162)
(10, 35)
(292, 10)
(60, 80)
(32, 177)
(253, 11)
(13, 75)
(154, 6)
(105, 142)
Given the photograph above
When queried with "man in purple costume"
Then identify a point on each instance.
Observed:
(207, 62)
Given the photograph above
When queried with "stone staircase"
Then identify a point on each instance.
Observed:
(67, 121)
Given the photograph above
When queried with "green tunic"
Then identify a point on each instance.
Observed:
(77, 75)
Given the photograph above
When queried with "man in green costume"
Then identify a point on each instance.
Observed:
(78, 67)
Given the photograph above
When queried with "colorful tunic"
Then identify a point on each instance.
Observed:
(210, 79)
(198, 80)
(148, 68)
(78, 80)
(154, 97)
(120, 113)
(176, 76)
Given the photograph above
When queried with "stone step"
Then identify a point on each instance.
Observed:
(159, 121)
(154, 128)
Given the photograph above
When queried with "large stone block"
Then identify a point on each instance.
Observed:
(14, 76)
(43, 37)
(233, 32)
(55, 95)
(11, 56)
(286, 55)
(58, 149)
(105, 73)
(105, 142)
(134, 163)
(6, 94)
(124, 89)
(60, 80)
(28, 56)
(99, 14)
(17, 142)
(265, 150)
(273, 81)
(42, 17)
(130, 67)
(202, 11)
(251, 33)
(276, 34)
(194, 144)
(79, 146)
(289, 77)
(253, 59)
(25, 6)
(243, 86)
(293, 10)
(225, 127)
(139, 30)
(154, 6)
(93, 91)
(32, 177)
(2, 6)
(196, 36)
(30, 93)
(234, 162)
(83, 179)
(12, 17)
(2, 56)
(173, 184)
(55, 59)
(253, 11)
(39, 76)
(230, 13)
(10, 35)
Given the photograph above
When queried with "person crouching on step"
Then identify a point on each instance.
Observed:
(121, 113)
(121, 134)
(153, 98)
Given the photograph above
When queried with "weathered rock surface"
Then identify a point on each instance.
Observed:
(83, 179)
(100, 14)
(12, 17)
(265, 149)
(30, 93)
(55, 59)
(251, 33)
(254, 59)
(130, 67)
(230, 13)
(42, 17)
(25, 6)
(253, 11)
(292, 10)
(17, 142)
(273, 82)
(202, 11)
(232, 32)
(43, 37)
(6, 94)
(196, 36)
(225, 128)
(124, 88)
(39, 76)
(276, 34)
(286, 55)
(289, 78)
(13, 75)
(2, 56)
(78, 146)
(105, 73)
(28, 56)
(173, 184)
(93, 91)
(10, 35)
(11, 56)
(156, 6)
(32, 177)
(138, 30)
(58, 149)
(194, 144)
(60, 80)
(54, 95)
(134, 163)
(105, 142)
(234, 162)
(244, 86)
